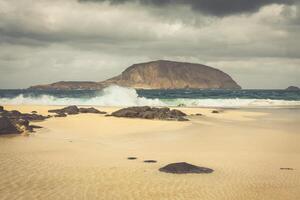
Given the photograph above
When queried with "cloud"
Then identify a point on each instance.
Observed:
(68, 40)
(211, 7)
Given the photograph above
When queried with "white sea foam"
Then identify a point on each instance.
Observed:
(110, 96)
(232, 103)
(121, 96)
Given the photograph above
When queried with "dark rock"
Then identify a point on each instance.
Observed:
(150, 161)
(147, 115)
(70, 110)
(181, 105)
(184, 168)
(34, 112)
(198, 114)
(182, 119)
(91, 110)
(286, 168)
(17, 122)
(132, 158)
(147, 112)
(60, 115)
(22, 122)
(1, 109)
(33, 117)
(215, 111)
(35, 126)
(177, 113)
(7, 127)
(15, 113)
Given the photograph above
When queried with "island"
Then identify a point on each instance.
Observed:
(293, 88)
(160, 74)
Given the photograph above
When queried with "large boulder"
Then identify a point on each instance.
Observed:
(146, 112)
(7, 127)
(185, 168)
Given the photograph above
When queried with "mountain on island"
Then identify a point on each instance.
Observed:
(161, 74)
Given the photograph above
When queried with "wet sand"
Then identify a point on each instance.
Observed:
(85, 157)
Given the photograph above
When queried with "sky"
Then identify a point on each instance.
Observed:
(256, 42)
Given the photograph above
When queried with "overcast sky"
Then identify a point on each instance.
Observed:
(257, 42)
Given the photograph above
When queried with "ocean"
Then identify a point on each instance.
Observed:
(121, 96)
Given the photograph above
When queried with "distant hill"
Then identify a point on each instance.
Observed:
(69, 85)
(292, 88)
(161, 74)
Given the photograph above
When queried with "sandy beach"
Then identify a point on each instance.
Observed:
(85, 156)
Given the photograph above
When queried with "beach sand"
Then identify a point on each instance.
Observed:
(85, 157)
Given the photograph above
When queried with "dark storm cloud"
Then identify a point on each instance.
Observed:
(211, 7)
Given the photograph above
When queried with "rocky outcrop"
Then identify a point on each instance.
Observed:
(13, 122)
(91, 110)
(74, 110)
(146, 112)
(161, 74)
(70, 110)
(293, 88)
(185, 168)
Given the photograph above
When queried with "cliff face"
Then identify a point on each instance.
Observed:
(159, 74)
(173, 75)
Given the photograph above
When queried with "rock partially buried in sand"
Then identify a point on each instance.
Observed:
(60, 115)
(286, 168)
(215, 111)
(146, 112)
(150, 161)
(132, 158)
(185, 168)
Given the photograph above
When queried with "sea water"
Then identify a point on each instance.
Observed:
(122, 96)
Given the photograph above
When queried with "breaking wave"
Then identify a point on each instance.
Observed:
(121, 96)
(110, 96)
